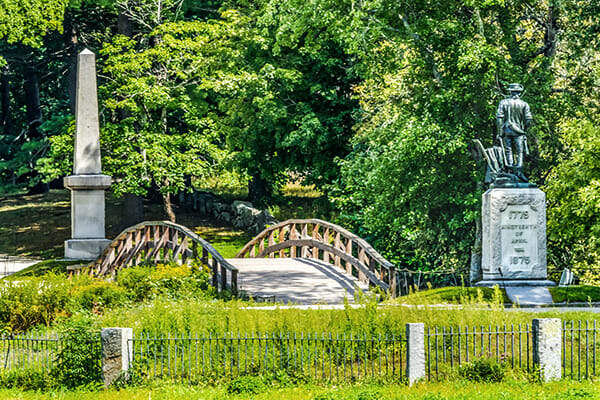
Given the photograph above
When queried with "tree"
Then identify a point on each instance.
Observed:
(170, 131)
(294, 117)
(433, 78)
(27, 22)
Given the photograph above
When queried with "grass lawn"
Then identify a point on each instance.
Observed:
(451, 295)
(37, 226)
(513, 390)
(467, 295)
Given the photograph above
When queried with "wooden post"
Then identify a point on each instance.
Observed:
(223, 278)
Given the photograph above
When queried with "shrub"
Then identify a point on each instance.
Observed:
(484, 369)
(328, 396)
(369, 394)
(95, 294)
(170, 280)
(247, 385)
(26, 379)
(33, 301)
(78, 361)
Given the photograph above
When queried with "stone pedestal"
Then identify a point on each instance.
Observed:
(117, 351)
(514, 238)
(87, 185)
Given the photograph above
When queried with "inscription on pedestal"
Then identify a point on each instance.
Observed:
(518, 237)
(514, 235)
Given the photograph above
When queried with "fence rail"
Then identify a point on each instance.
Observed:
(447, 348)
(326, 357)
(29, 351)
(579, 349)
(34, 351)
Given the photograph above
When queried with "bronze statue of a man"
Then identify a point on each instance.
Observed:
(512, 120)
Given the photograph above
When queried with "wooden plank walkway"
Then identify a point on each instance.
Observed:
(295, 280)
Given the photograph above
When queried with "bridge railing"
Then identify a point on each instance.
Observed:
(317, 239)
(156, 241)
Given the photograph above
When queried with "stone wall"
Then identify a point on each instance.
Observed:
(241, 214)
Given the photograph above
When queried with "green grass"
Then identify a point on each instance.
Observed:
(462, 390)
(46, 267)
(575, 294)
(164, 315)
(37, 226)
(452, 295)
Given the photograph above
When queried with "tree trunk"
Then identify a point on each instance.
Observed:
(133, 210)
(6, 120)
(32, 101)
(34, 117)
(258, 189)
(124, 25)
(70, 37)
(168, 206)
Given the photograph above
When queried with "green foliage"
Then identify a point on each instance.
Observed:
(457, 295)
(28, 379)
(28, 21)
(169, 390)
(41, 300)
(168, 280)
(577, 393)
(45, 267)
(576, 293)
(574, 193)
(78, 361)
(483, 369)
(433, 78)
(247, 385)
(32, 301)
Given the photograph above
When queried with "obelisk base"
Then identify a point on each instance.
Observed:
(85, 249)
(87, 216)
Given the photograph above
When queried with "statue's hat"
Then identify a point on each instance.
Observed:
(515, 87)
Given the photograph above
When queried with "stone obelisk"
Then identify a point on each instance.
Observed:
(87, 184)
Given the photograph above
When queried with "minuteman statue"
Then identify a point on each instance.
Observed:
(512, 120)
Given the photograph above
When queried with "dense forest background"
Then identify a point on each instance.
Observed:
(375, 102)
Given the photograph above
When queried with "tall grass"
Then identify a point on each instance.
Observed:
(163, 315)
(462, 390)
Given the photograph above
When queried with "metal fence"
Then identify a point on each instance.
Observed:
(579, 349)
(29, 351)
(322, 357)
(448, 348)
(325, 357)
(34, 351)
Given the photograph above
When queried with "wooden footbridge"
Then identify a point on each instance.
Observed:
(301, 261)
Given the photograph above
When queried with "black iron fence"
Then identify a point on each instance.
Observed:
(29, 351)
(579, 349)
(448, 348)
(325, 357)
(319, 356)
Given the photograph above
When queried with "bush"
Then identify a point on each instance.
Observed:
(485, 369)
(78, 361)
(33, 301)
(95, 295)
(247, 385)
(26, 379)
(170, 280)
(369, 394)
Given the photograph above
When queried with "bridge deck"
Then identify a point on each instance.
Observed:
(296, 280)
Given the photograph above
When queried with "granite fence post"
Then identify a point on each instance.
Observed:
(415, 352)
(547, 349)
(116, 353)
